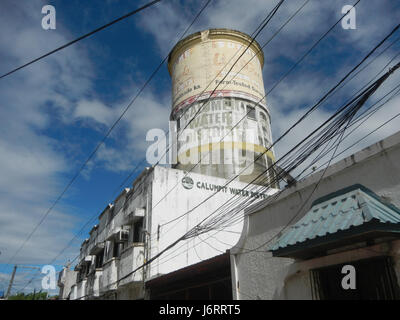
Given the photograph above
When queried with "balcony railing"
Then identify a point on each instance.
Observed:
(81, 290)
(131, 258)
(74, 294)
(134, 214)
(93, 283)
(109, 276)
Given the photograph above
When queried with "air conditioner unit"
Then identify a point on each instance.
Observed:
(122, 236)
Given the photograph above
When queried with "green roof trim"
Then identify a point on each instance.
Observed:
(351, 212)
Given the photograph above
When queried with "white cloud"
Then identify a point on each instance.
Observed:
(148, 112)
(95, 110)
(316, 74)
(32, 163)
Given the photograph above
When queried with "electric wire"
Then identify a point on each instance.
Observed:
(303, 116)
(255, 33)
(81, 37)
(105, 137)
(198, 229)
(161, 260)
(295, 65)
(258, 30)
(256, 54)
(341, 138)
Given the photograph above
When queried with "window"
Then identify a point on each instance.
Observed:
(228, 102)
(242, 107)
(266, 135)
(375, 280)
(116, 249)
(251, 112)
(88, 269)
(107, 250)
(99, 259)
(137, 231)
(265, 131)
(263, 116)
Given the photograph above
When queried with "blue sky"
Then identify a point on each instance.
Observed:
(53, 113)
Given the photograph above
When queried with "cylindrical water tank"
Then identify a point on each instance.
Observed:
(211, 101)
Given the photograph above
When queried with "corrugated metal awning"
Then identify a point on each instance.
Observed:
(354, 212)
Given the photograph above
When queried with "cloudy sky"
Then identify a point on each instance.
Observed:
(53, 113)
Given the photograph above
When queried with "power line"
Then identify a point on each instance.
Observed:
(341, 138)
(292, 69)
(274, 198)
(353, 99)
(365, 119)
(358, 141)
(82, 37)
(259, 29)
(297, 63)
(301, 118)
(102, 140)
(328, 131)
(291, 17)
(166, 57)
(207, 2)
(256, 54)
(347, 117)
(338, 133)
(352, 112)
(372, 88)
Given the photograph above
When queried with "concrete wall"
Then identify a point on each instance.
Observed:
(256, 274)
(178, 202)
(66, 280)
(158, 196)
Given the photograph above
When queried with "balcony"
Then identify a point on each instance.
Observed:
(93, 283)
(134, 214)
(61, 278)
(97, 248)
(131, 258)
(108, 280)
(81, 290)
(74, 293)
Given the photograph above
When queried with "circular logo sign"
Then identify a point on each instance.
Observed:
(187, 182)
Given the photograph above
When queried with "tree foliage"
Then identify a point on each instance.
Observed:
(29, 296)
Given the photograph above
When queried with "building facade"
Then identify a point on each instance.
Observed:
(161, 206)
(295, 246)
(219, 132)
(351, 219)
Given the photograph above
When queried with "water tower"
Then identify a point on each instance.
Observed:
(236, 111)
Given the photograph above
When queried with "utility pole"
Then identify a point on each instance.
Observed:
(13, 275)
(11, 282)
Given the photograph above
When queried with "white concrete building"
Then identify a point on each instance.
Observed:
(288, 253)
(132, 230)
(165, 203)
(235, 262)
(66, 279)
